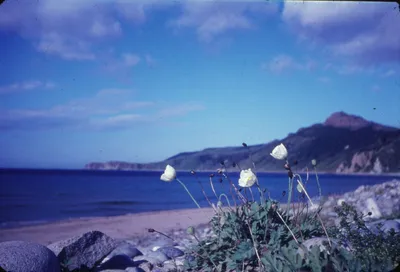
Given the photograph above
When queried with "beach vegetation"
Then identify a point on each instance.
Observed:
(265, 235)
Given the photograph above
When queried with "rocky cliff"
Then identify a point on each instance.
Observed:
(344, 143)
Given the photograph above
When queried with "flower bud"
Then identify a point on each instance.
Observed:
(190, 230)
(314, 162)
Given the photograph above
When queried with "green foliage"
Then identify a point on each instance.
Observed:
(248, 229)
(253, 228)
(376, 252)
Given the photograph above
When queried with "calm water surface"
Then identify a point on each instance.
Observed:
(37, 196)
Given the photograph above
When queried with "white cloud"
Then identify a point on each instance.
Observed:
(18, 87)
(68, 29)
(74, 29)
(68, 48)
(365, 33)
(210, 19)
(118, 121)
(285, 62)
(101, 29)
(108, 109)
(120, 65)
(178, 110)
(130, 59)
(389, 73)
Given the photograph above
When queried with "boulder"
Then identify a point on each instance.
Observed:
(84, 251)
(20, 256)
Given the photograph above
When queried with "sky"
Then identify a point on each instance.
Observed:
(140, 81)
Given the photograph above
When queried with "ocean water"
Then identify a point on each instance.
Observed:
(36, 196)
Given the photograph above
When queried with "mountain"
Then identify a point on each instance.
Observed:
(352, 122)
(344, 143)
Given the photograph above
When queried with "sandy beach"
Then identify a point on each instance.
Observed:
(117, 227)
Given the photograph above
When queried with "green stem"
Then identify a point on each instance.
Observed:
(319, 186)
(212, 187)
(300, 181)
(227, 200)
(239, 195)
(294, 237)
(251, 193)
(290, 194)
(262, 200)
(188, 192)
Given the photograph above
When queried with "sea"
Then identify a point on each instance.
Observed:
(29, 197)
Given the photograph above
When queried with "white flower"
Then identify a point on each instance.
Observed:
(314, 162)
(169, 173)
(279, 152)
(247, 178)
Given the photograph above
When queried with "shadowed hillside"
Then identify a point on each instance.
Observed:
(342, 144)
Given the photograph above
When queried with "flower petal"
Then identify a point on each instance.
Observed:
(279, 152)
(169, 174)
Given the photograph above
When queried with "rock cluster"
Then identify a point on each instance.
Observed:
(382, 200)
(95, 251)
(155, 253)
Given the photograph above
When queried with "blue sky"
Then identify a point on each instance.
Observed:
(140, 81)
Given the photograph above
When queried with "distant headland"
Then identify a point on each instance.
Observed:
(343, 144)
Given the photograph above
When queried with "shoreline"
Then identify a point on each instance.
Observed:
(311, 172)
(118, 227)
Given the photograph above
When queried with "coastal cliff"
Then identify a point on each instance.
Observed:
(344, 143)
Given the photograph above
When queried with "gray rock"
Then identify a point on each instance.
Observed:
(391, 224)
(19, 256)
(117, 262)
(146, 266)
(124, 249)
(190, 258)
(113, 270)
(171, 252)
(134, 269)
(83, 251)
(171, 266)
(158, 255)
(382, 200)
(148, 259)
(161, 243)
(386, 226)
